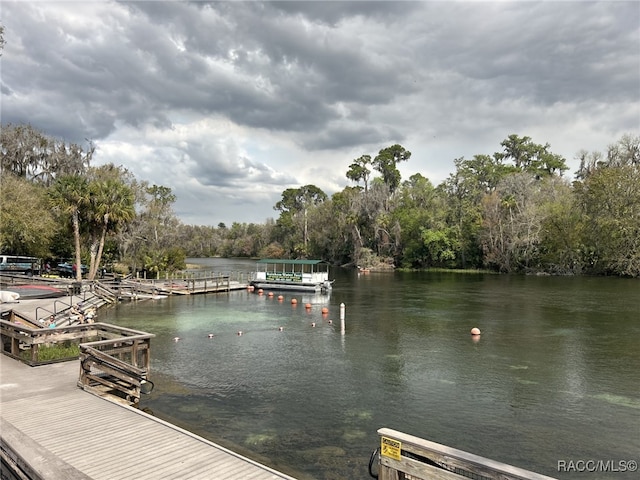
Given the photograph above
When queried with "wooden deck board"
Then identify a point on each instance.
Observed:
(105, 440)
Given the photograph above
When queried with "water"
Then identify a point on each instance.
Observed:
(554, 377)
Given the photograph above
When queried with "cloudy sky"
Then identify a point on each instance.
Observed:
(230, 103)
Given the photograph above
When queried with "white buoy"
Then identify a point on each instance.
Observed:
(342, 321)
(281, 328)
(239, 332)
(175, 339)
(211, 335)
(313, 324)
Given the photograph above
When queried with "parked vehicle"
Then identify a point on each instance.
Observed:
(66, 270)
(19, 264)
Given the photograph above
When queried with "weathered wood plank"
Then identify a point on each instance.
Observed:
(44, 465)
(107, 441)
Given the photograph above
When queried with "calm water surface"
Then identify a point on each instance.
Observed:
(554, 377)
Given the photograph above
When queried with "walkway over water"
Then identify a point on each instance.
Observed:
(56, 430)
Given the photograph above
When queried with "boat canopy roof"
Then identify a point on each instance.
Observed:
(284, 261)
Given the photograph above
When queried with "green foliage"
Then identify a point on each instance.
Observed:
(295, 206)
(55, 351)
(359, 170)
(164, 260)
(27, 225)
(610, 198)
(30, 154)
(510, 211)
(531, 157)
(110, 207)
(386, 162)
(70, 196)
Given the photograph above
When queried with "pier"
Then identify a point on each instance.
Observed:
(76, 418)
(183, 284)
(51, 429)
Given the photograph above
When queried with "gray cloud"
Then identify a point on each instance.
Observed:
(230, 103)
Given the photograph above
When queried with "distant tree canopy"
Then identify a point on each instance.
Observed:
(510, 211)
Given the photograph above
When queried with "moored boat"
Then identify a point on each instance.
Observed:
(299, 275)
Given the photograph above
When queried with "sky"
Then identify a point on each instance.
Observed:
(231, 103)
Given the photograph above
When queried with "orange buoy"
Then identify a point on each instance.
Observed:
(280, 297)
(325, 310)
(475, 331)
(260, 291)
(294, 301)
(270, 294)
(307, 306)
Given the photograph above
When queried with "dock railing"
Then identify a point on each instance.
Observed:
(201, 282)
(117, 366)
(113, 360)
(405, 457)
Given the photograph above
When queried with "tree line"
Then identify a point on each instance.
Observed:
(513, 211)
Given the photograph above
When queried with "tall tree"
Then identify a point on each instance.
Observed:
(359, 171)
(295, 204)
(70, 195)
(415, 210)
(386, 162)
(513, 223)
(28, 153)
(112, 204)
(531, 157)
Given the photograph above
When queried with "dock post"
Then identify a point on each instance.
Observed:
(342, 325)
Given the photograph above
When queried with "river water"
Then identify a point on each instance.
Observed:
(553, 380)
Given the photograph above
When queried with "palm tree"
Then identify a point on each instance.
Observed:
(112, 203)
(70, 194)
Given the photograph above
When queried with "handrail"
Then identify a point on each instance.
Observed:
(102, 358)
(46, 310)
(109, 341)
(55, 302)
(422, 459)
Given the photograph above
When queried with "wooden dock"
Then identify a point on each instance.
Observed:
(140, 288)
(52, 429)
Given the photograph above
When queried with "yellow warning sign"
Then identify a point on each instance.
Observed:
(390, 448)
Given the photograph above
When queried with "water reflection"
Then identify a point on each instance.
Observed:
(554, 375)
